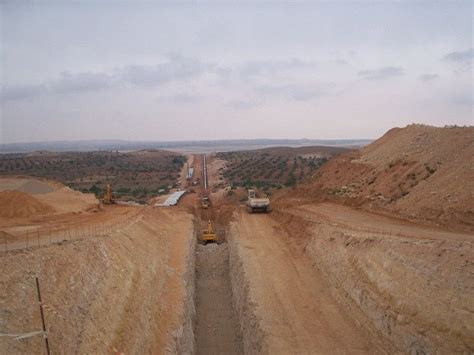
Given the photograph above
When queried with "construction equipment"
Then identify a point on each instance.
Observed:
(208, 235)
(256, 203)
(108, 196)
(205, 202)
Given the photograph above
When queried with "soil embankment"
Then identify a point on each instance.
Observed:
(421, 173)
(413, 284)
(284, 304)
(131, 292)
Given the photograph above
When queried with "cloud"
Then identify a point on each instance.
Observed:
(81, 82)
(463, 100)
(270, 67)
(460, 56)
(381, 73)
(66, 84)
(182, 99)
(243, 104)
(428, 77)
(175, 69)
(21, 92)
(251, 71)
(296, 92)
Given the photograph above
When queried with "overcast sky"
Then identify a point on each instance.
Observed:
(214, 70)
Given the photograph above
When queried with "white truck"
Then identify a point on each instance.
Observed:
(256, 203)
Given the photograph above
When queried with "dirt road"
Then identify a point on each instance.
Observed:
(296, 312)
(346, 217)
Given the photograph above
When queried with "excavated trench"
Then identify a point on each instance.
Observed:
(216, 327)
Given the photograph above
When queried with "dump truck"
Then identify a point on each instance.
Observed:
(209, 235)
(108, 198)
(256, 203)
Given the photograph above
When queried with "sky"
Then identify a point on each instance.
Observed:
(203, 70)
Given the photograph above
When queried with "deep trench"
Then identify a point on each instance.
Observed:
(217, 328)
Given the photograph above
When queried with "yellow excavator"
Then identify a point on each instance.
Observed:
(108, 196)
(209, 235)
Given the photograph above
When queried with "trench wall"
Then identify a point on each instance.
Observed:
(253, 336)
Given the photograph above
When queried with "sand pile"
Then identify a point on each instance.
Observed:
(50, 193)
(20, 204)
(31, 186)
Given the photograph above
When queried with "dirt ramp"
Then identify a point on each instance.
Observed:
(19, 204)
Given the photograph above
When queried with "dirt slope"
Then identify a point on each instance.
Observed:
(130, 292)
(417, 172)
(19, 204)
(53, 196)
(292, 305)
(413, 283)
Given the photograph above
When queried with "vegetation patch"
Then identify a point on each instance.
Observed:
(273, 168)
(133, 176)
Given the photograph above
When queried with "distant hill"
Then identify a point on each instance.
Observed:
(182, 146)
(418, 172)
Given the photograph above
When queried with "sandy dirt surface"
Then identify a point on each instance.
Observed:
(214, 165)
(419, 172)
(57, 198)
(413, 283)
(121, 293)
(294, 307)
(17, 204)
(361, 221)
(217, 329)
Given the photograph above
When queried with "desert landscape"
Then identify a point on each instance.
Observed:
(371, 251)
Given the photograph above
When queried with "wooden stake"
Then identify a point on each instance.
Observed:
(42, 316)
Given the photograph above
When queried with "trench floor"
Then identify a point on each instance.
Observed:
(217, 328)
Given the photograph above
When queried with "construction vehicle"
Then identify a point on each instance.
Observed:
(108, 196)
(256, 203)
(205, 202)
(209, 235)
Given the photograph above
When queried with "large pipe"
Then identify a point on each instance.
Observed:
(204, 169)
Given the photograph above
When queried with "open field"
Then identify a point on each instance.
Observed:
(133, 175)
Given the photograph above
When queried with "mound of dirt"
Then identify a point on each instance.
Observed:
(20, 204)
(67, 200)
(417, 172)
(50, 193)
(31, 186)
(36, 187)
